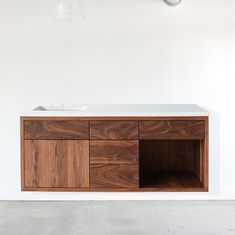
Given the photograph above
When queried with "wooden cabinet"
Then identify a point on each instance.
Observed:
(114, 154)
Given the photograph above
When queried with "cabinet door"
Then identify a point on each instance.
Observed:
(56, 163)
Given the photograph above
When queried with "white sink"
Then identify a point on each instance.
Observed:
(62, 108)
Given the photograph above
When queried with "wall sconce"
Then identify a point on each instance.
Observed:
(69, 10)
(172, 2)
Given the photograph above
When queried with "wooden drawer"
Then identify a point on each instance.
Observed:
(179, 129)
(114, 130)
(114, 176)
(114, 151)
(56, 130)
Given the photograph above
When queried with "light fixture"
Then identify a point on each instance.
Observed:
(69, 10)
(172, 2)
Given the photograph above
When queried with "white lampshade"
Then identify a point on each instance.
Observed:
(172, 2)
(69, 10)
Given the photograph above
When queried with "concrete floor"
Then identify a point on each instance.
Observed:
(118, 218)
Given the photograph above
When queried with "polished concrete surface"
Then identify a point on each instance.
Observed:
(118, 217)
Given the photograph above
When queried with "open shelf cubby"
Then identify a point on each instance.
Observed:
(171, 164)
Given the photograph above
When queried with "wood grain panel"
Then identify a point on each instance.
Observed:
(115, 130)
(114, 176)
(172, 129)
(198, 160)
(205, 156)
(114, 151)
(174, 180)
(169, 155)
(56, 163)
(56, 130)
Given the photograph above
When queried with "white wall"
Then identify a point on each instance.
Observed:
(125, 51)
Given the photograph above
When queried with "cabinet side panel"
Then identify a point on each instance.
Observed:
(206, 156)
(22, 149)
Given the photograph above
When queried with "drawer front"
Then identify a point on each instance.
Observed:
(56, 130)
(172, 129)
(114, 130)
(114, 151)
(114, 176)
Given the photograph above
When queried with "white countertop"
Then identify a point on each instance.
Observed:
(124, 110)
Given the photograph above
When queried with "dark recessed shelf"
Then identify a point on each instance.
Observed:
(170, 164)
(170, 180)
